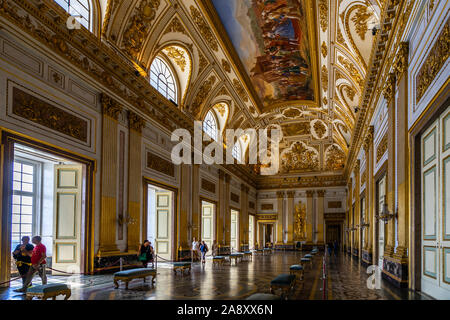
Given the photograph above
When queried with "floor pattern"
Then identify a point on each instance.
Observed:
(346, 280)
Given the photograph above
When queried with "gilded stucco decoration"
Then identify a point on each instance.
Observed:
(438, 56)
(335, 158)
(323, 14)
(300, 222)
(139, 27)
(204, 28)
(178, 56)
(360, 19)
(319, 129)
(202, 95)
(300, 158)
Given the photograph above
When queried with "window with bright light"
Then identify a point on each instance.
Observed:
(210, 125)
(162, 79)
(237, 152)
(23, 201)
(80, 9)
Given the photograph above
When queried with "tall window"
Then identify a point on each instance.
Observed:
(210, 125)
(237, 152)
(80, 9)
(162, 79)
(23, 200)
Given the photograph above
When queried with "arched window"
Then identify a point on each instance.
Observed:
(210, 125)
(80, 9)
(162, 79)
(237, 152)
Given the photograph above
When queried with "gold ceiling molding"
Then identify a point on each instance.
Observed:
(323, 15)
(226, 66)
(350, 67)
(177, 55)
(240, 90)
(359, 25)
(202, 95)
(350, 91)
(340, 38)
(300, 158)
(319, 128)
(360, 20)
(335, 158)
(204, 28)
(434, 62)
(202, 62)
(110, 7)
(139, 27)
(175, 26)
(324, 49)
(324, 78)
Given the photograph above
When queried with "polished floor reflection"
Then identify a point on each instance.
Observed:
(347, 280)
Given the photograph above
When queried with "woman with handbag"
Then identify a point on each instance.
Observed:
(145, 253)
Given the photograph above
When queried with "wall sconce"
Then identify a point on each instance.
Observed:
(125, 219)
(385, 214)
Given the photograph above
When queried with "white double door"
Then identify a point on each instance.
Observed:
(435, 147)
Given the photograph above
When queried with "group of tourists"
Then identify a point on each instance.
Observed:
(200, 248)
(30, 259)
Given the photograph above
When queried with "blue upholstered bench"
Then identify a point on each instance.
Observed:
(308, 256)
(128, 275)
(263, 296)
(248, 254)
(218, 260)
(182, 266)
(236, 256)
(51, 290)
(297, 269)
(285, 282)
(267, 250)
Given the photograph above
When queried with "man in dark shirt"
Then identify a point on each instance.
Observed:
(22, 255)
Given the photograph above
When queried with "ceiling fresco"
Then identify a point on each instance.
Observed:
(272, 41)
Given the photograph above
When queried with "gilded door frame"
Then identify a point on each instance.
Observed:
(174, 230)
(8, 139)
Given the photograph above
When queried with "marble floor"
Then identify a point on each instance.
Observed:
(346, 281)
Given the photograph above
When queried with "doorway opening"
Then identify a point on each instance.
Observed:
(268, 235)
(251, 232)
(48, 199)
(234, 230)
(208, 222)
(381, 226)
(160, 220)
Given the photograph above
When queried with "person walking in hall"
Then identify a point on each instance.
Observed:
(38, 264)
(22, 255)
(336, 248)
(215, 248)
(194, 250)
(145, 253)
(203, 250)
(330, 248)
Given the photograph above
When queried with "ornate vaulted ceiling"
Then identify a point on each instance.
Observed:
(296, 65)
